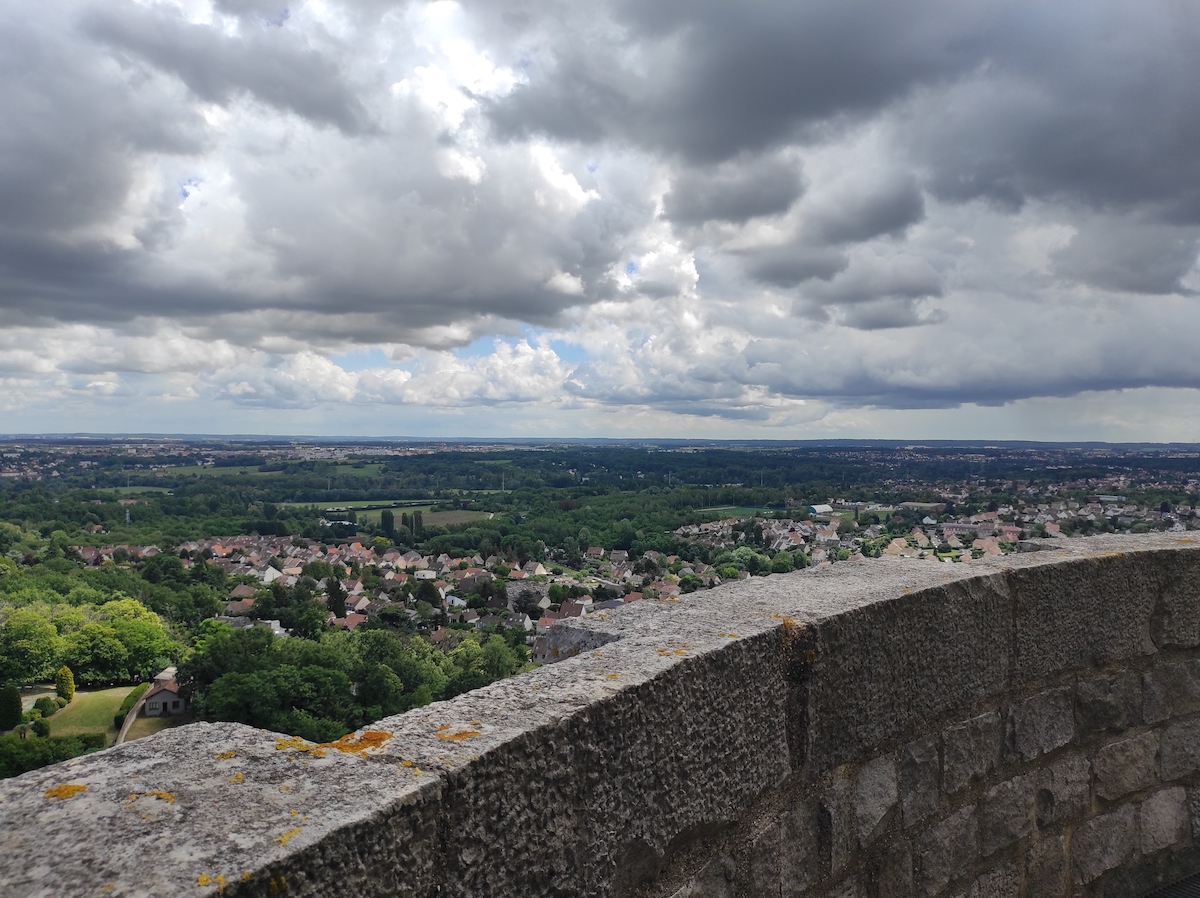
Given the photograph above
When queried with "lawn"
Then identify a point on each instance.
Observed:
(90, 712)
(148, 726)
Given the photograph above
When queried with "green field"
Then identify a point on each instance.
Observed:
(205, 471)
(89, 712)
(148, 726)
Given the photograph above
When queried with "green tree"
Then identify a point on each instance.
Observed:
(97, 654)
(337, 597)
(10, 707)
(40, 727)
(64, 683)
(387, 522)
(29, 646)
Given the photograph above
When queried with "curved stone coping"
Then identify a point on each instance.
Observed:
(589, 776)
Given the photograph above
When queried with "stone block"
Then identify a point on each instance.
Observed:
(715, 880)
(1180, 750)
(1129, 765)
(892, 875)
(1176, 617)
(765, 856)
(1046, 867)
(836, 824)
(1108, 703)
(1081, 615)
(1194, 796)
(1041, 723)
(971, 750)
(803, 862)
(1164, 820)
(1171, 690)
(1064, 790)
(920, 770)
(876, 795)
(1007, 813)
(1003, 882)
(1102, 844)
(948, 848)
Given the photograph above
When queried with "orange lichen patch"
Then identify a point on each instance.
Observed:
(108, 887)
(406, 763)
(458, 736)
(245, 876)
(225, 755)
(474, 723)
(65, 791)
(612, 676)
(203, 880)
(535, 686)
(237, 777)
(285, 788)
(277, 884)
(295, 743)
(168, 797)
(360, 746)
(444, 726)
(294, 812)
(284, 838)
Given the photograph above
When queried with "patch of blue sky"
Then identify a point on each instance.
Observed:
(362, 359)
(572, 353)
(476, 348)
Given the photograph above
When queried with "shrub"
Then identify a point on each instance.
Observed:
(10, 707)
(46, 705)
(64, 683)
(60, 701)
(129, 702)
(40, 728)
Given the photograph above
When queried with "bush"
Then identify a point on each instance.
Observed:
(60, 701)
(129, 702)
(10, 707)
(64, 683)
(40, 728)
(19, 755)
(46, 705)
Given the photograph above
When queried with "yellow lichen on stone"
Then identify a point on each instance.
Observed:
(611, 676)
(245, 876)
(168, 797)
(458, 736)
(286, 837)
(285, 788)
(360, 746)
(225, 755)
(65, 791)
(108, 887)
(203, 880)
(406, 763)
(237, 777)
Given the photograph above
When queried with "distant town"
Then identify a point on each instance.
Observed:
(311, 588)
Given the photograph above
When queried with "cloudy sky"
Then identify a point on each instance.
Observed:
(770, 218)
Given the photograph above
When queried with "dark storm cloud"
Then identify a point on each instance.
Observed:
(1130, 256)
(710, 80)
(736, 193)
(787, 266)
(268, 64)
(859, 214)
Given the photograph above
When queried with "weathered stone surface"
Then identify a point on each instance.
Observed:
(1064, 790)
(1128, 765)
(1046, 867)
(715, 880)
(971, 750)
(1003, 882)
(1176, 617)
(1180, 750)
(1007, 813)
(892, 875)
(1041, 723)
(920, 770)
(942, 634)
(1171, 690)
(1194, 797)
(803, 862)
(765, 857)
(948, 848)
(1102, 843)
(1109, 702)
(837, 825)
(1164, 820)
(876, 795)
(1060, 626)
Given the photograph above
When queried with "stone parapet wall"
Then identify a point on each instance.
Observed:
(1024, 726)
